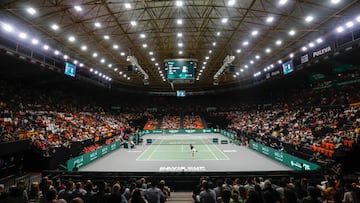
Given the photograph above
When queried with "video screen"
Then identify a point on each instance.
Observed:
(288, 67)
(180, 68)
(70, 69)
(180, 93)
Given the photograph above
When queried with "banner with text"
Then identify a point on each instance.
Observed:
(84, 159)
(284, 158)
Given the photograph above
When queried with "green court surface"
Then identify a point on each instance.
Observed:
(181, 152)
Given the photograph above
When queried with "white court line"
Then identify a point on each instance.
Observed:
(227, 158)
(157, 147)
(212, 152)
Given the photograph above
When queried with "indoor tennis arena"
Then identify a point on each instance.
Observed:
(179, 101)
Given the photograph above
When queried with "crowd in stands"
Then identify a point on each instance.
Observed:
(58, 191)
(330, 189)
(286, 190)
(170, 123)
(50, 125)
(192, 122)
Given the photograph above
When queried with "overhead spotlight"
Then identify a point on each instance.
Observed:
(246, 66)
(127, 5)
(358, 19)
(279, 61)
(102, 60)
(71, 38)
(319, 40)
(78, 8)
(214, 43)
(304, 48)
(122, 53)
(238, 51)
(224, 20)
(231, 2)
(7, 27)
(349, 24)
(210, 51)
(97, 24)
(251, 62)
(311, 45)
(278, 42)
(35, 41)
(241, 70)
(282, 2)
(115, 69)
(218, 33)
(269, 19)
(340, 29)
(54, 27)
(292, 32)
(156, 64)
(144, 45)
(309, 19)
(179, 21)
(23, 35)
(179, 3)
(75, 62)
(84, 48)
(45, 47)
(142, 35)
(31, 11)
(91, 70)
(95, 55)
(254, 33)
(81, 64)
(179, 34)
(56, 52)
(180, 44)
(106, 37)
(268, 50)
(66, 57)
(291, 55)
(109, 65)
(257, 57)
(151, 53)
(115, 46)
(133, 23)
(335, 1)
(245, 43)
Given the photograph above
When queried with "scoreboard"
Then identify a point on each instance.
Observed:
(181, 69)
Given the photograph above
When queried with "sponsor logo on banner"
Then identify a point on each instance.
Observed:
(321, 51)
(173, 131)
(189, 131)
(182, 168)
(265, 150)
(93, 155)
(206, 130)
(279, 156)
(79, 161)
(255, 146)
(305, 58)
(113, 146)
(104, 150)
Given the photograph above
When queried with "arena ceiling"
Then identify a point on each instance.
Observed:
(101, 34)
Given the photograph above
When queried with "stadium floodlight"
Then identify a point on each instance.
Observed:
(349, 24)
(340, 29)
(7, 27)
(35, 41)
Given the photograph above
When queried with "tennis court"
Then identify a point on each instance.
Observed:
(177, 149)
(171, 153)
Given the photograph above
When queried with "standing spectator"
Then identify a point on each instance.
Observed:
(207, 195)
(154, 194)
(136, 197)
(116, 196)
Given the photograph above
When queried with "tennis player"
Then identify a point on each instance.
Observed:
(193, 150)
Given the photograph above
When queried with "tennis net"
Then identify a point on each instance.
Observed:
(202, 141)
